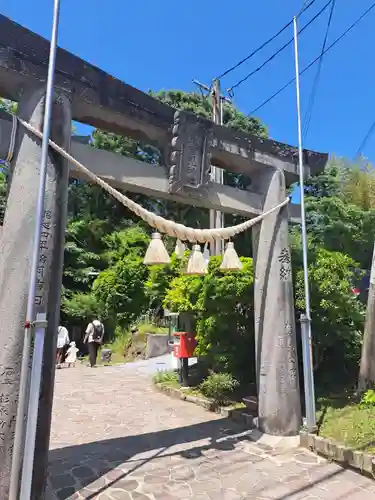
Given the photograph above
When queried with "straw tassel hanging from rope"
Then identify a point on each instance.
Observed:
(197, 264)
(180, 249)
(156, 252)
(231, 261)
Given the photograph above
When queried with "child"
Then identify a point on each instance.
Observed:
(71, 355)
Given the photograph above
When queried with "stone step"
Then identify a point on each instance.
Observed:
(251, 403)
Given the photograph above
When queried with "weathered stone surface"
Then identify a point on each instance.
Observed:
(106, 355)
(366, 377)
(16, 251)
(107, 103)
(320, 444)
(279, 406)
(189, 173)
(157, 345)
(184, 456)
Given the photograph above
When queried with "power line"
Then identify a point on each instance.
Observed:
(303, 8)
(237, 65)
(316, 59)
(365, 140)
(278, 51)
(310, 106)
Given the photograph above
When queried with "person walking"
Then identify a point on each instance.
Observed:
(94, 338)
(71, 355)
(62, 341)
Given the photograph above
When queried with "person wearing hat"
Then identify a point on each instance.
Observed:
(71, 354)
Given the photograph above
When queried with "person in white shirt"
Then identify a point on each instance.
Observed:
(62, 341)
(71, 354)
(94, 337)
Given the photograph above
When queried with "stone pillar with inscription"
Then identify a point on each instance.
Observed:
(279, 405)
(16, 250)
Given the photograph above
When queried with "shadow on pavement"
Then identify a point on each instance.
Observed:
(74, 467)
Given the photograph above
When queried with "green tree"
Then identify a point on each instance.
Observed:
(339, 212)
(121, 292)
(201, 106)
(7, 105)
(222, 307)
(337, 313)
(93, 214)
(336, 225)
(232, 118)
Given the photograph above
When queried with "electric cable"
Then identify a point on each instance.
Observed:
(364, 141)
(237, 65)
(315, 60)
(249, 75)
(314, 89)
(304, 7)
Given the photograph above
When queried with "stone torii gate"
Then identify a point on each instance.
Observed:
(189, 144)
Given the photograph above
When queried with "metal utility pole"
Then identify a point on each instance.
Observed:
(27, 441)
(216, 217)
(308, 373)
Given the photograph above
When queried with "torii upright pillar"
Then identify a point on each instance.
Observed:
(15, 250)
(279, 404)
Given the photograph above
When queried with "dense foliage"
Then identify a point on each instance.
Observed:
(104, 275)
(100, 234)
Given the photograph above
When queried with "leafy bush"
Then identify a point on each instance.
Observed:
(121, 291)
(165, 377)
(81, 307)
(222, 304)
(337, 314)
(159, 280)
(218, 387)
(132, 241)
(119, 342)
(144, 328)
(368, 399)
(225, 327)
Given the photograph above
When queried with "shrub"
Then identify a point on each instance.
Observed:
(225, 328)
(337, 314)
(81, 307)
(121, 292)
(160, 278)
(218, 386)
(144, 328)
(165, 377)
(119, 342)
(222, 304)
(368, 399)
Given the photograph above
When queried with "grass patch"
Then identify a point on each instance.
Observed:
(125, 345)
(144, 328)
(167, 378)
(171, 379)
(348, 422)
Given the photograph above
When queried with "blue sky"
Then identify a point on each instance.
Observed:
(166, 44)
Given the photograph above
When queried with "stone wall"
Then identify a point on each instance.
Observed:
(157, 345)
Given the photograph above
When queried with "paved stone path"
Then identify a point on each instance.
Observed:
(114, 437)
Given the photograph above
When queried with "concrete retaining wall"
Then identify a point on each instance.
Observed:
(157, 345)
